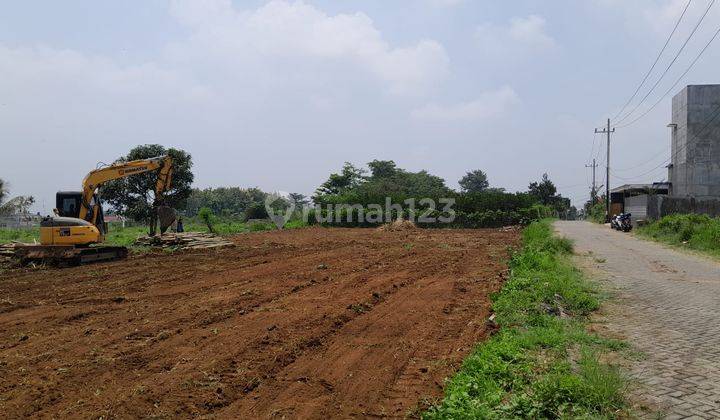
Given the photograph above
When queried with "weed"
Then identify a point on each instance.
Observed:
(526, 371)
(694, 231)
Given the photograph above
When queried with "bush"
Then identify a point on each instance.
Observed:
(694, 231)
(256, 211)
(207, 216)
(596, 212)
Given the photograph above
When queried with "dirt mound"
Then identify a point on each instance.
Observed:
(310, 323)
(398, 225)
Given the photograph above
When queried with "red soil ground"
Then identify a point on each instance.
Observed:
(310, 323)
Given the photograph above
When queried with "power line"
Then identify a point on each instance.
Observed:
(592, 149)
(657, 59)
(655, 156)
(567, 187)
(593, 189)
(662, 76)
(614, 175)
(676, 82)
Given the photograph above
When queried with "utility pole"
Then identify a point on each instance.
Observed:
(607, 169)
(593, 193)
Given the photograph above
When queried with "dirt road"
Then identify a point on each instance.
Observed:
(311, 323)
(668, 307)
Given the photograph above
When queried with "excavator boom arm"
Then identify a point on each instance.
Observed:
(96, 178)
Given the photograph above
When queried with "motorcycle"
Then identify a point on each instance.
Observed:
(625, 222)
(621, 222)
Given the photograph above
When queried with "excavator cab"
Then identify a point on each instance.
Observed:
(67, 204)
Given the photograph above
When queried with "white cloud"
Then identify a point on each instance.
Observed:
(236, 84)
(445, 3)
(488, 105)
(299, 31)
(521, 35)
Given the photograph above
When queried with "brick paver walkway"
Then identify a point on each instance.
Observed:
(668, 309)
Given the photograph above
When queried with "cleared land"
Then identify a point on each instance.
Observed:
(305, 323)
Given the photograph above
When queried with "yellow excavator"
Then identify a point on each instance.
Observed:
(74, 234)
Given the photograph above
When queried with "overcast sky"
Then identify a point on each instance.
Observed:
(279, 94)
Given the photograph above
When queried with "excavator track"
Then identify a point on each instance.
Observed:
(67, 255)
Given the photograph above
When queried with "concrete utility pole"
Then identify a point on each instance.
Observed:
(607, 169)
(594, 189)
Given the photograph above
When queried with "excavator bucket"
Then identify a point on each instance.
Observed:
(166, 216)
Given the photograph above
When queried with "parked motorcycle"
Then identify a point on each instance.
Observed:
(625, 222)
(621, 222)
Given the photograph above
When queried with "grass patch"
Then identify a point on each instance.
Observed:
(119, 236)
(543, 363)
(19, 235)
(693, 231)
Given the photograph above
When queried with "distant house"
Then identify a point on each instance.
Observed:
(113, 218)
(634, 198)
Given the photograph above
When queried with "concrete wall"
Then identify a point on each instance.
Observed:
(695, 155)
(662, 205)
(637, 206)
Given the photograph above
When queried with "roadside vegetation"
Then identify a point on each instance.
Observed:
(692, 231)
(543, 363)
(596, 212)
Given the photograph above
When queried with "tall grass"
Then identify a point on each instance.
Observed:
(19, 235)
(543, 363)
(693, 231)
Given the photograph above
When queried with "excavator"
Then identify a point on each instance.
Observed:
(74, 234)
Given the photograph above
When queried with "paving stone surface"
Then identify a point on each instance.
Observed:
(668, 308)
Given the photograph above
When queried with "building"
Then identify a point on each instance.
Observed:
(694, 170)
(636, 198)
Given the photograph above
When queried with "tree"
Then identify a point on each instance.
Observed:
(134, 196)
(474, 182)
(17, 205)
(382, 168)
(256, 211)
(543, 191)
(350, 177)
(298, 200)
(224, 201)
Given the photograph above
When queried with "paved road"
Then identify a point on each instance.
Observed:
(668, 308)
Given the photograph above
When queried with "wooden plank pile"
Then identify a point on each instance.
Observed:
(185, 240)
(7, 252)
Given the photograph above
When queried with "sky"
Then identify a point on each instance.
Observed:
(278, 94)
